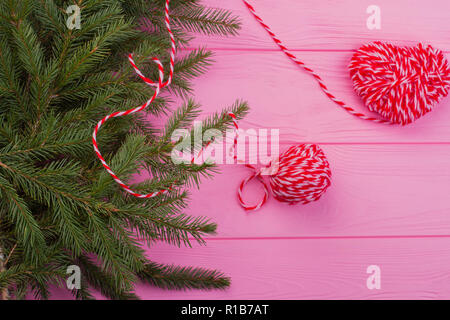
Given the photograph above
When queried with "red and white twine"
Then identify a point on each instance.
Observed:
(256, 174)
(303, 175)
(303, 172)
(399, 83)
(158, 86)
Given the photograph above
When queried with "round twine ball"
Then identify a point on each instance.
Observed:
(301, 174)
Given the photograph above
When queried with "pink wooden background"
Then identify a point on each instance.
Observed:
(389, 204)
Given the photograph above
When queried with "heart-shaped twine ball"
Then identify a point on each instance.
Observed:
(399, 83)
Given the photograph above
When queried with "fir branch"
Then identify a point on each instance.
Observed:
(220, 121)
(176, 229)
(191, 66)
(107, 251)
(127, 160)
(103, 281)
(83, 293)
(181, 118)
(26, 227)
(182, 278)
(57, 204)
(207, 21)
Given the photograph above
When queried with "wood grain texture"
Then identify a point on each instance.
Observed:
(282, 96)
(377, 190)
(335, 25)
(316, 269)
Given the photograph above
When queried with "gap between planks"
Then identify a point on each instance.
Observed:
(275, 50)
(425, 236)
(356, 143)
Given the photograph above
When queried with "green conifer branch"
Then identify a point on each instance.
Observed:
(58, 206)
(207, 21)
(182, 278)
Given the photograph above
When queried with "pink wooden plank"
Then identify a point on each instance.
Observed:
(377, 190)
(411, 268)
(335, 25)
(283, 96)
(316, 269)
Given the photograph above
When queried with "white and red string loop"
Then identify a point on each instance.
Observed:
(158, 86)
(256, 175)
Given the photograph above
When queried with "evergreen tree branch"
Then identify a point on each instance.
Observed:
(176, 229)
(25, 224)
(58, 206)
(182, 278)
(103, 281)
(207, 21)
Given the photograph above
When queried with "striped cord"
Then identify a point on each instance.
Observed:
(312, 72)
(158, 86)
(256, 174)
